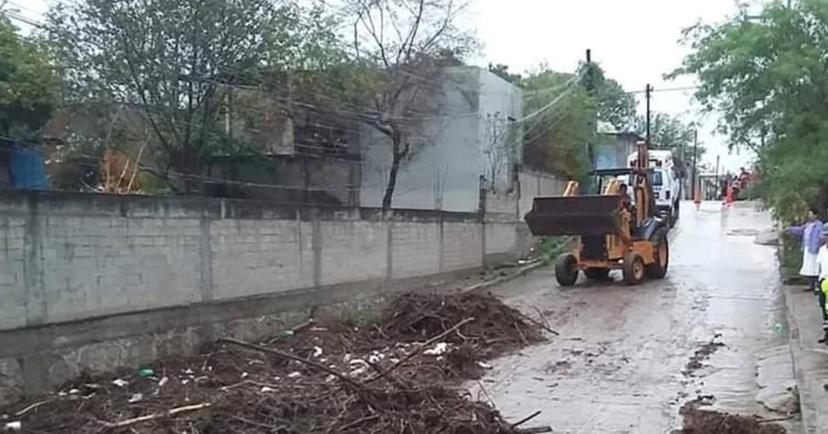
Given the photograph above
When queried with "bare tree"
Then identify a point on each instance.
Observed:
(499, 149)
(410, 41)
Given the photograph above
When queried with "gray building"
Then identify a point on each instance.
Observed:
(468, 140)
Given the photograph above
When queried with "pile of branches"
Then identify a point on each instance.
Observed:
(498, 328)
(400, 375)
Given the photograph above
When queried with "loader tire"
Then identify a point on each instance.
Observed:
(566, 269)
(661, 254)
(634, 269)
(597, 273)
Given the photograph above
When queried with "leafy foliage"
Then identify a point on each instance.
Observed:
(766, 74)
(614, 105)
(173, 66)
(673, 133)
(28, 85)
(502, 71)
(568, 107)
(556, 138)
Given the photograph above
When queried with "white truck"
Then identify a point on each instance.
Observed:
(667, 186)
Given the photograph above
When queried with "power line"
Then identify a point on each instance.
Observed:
(668, 89)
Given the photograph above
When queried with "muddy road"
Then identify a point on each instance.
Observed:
(628, 358)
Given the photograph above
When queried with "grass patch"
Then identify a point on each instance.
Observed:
(549, 248)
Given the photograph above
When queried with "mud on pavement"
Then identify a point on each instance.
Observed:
(332, 378)
(698, 421)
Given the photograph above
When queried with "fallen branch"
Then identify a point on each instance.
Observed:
(153, 416)
(32, 407)
(775, 419)
(526, 419)
(358, 422)
(285, 355)
(537, 430)
(543, 323)
(419, 350)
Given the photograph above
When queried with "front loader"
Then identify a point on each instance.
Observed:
(616, 231)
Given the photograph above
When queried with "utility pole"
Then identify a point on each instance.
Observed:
(590, 86)
(718, 187)
(695, 162)
(647, 92)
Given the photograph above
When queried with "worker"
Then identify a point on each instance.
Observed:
(626, 200)
(624, 193)
(810, 234)
(822, 263)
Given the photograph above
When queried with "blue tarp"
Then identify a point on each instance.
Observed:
(27, 168)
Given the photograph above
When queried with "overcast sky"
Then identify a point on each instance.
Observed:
(635, 41)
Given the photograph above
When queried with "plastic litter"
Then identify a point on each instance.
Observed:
(120, 383)
(137, 397)
(14, 426)
(145, 372)
(439, 349)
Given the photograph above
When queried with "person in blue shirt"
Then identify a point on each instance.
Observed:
(811, 235)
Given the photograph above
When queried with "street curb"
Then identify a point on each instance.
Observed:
(810, 404)
(503, 279)
(808, 364)
(805, 404)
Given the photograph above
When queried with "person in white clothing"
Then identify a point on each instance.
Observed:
(822, 267)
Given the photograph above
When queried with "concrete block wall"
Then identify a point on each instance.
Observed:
(94, 282)
(251, 257)
(416, 249)
(12, 277)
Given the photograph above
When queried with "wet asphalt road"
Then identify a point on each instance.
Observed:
(619, 364)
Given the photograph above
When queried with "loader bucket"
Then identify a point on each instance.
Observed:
(574, 215)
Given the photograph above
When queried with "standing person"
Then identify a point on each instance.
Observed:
(822, 263)
(811, 235)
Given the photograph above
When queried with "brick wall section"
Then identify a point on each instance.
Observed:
(68, 256)
(462, 246)
(501, 238)
(251, 257)
(415, 249)
(504, 203)
(90, 265)
(353, 251)
(12, 287)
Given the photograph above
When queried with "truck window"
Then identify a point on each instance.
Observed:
(657, 178)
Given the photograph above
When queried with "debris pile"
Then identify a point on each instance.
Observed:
(697, 421)
(498, 328)
(701, 354)
(399, 375)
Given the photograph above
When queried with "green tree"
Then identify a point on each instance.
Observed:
(558, 123)
(28, 86)
(564, 110)
(173, 64)
(613, 103)
(502, 71)
(765, 73)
